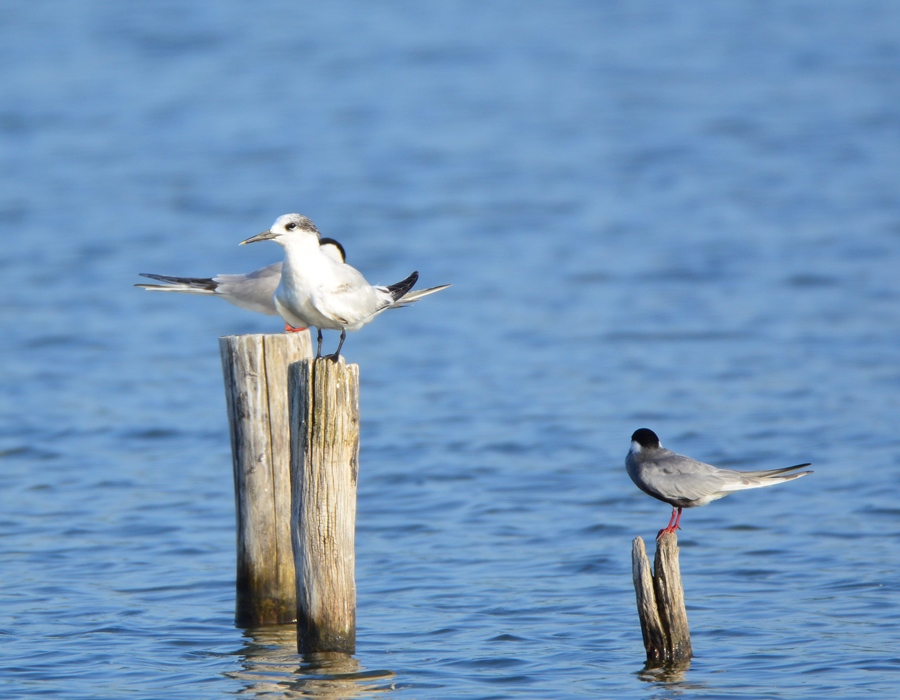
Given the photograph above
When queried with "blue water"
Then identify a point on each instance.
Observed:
(682, 216)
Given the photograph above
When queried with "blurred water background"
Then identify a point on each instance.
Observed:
(682, 216)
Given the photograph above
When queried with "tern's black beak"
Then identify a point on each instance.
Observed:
(264, 236)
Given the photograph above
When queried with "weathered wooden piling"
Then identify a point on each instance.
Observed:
(255, 368)
(324, 468)
(660, 601)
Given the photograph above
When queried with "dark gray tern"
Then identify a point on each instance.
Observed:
(683, 482)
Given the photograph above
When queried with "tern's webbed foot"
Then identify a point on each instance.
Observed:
(665, 530)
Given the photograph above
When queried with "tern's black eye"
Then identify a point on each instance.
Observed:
(291, 226)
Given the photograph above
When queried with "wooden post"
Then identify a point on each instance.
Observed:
(648, 613)
(660, 601)
(255, 368)
(324, 468)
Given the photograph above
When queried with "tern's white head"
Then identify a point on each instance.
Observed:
(287, 229)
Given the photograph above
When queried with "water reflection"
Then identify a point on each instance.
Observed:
(672, 672)
(272, 668)
(670, 681)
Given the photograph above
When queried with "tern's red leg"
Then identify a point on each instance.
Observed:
(288, 328)
(673, 523)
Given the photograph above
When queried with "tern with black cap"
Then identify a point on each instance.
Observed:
(683, 482)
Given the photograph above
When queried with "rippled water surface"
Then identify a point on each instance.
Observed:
(680, 216)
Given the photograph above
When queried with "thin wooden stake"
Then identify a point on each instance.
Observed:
(651, 626)
(660, 601)
(324, 469)
(670, 598)
(255, 369)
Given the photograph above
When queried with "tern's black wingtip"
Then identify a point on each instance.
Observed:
(399, 289)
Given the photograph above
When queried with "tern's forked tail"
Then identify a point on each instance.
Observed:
(416, 294)
(776, 475)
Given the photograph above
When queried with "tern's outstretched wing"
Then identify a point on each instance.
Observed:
(252, 291)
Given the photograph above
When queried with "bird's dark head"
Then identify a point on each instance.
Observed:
(645, 438)
(333, 249)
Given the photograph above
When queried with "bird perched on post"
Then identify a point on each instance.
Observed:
(683, 482)
(315, 290)
(254, 291)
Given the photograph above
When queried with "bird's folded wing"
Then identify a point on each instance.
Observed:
(689, 481)
(349, 300)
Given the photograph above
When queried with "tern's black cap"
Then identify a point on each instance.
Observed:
(645, 438)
